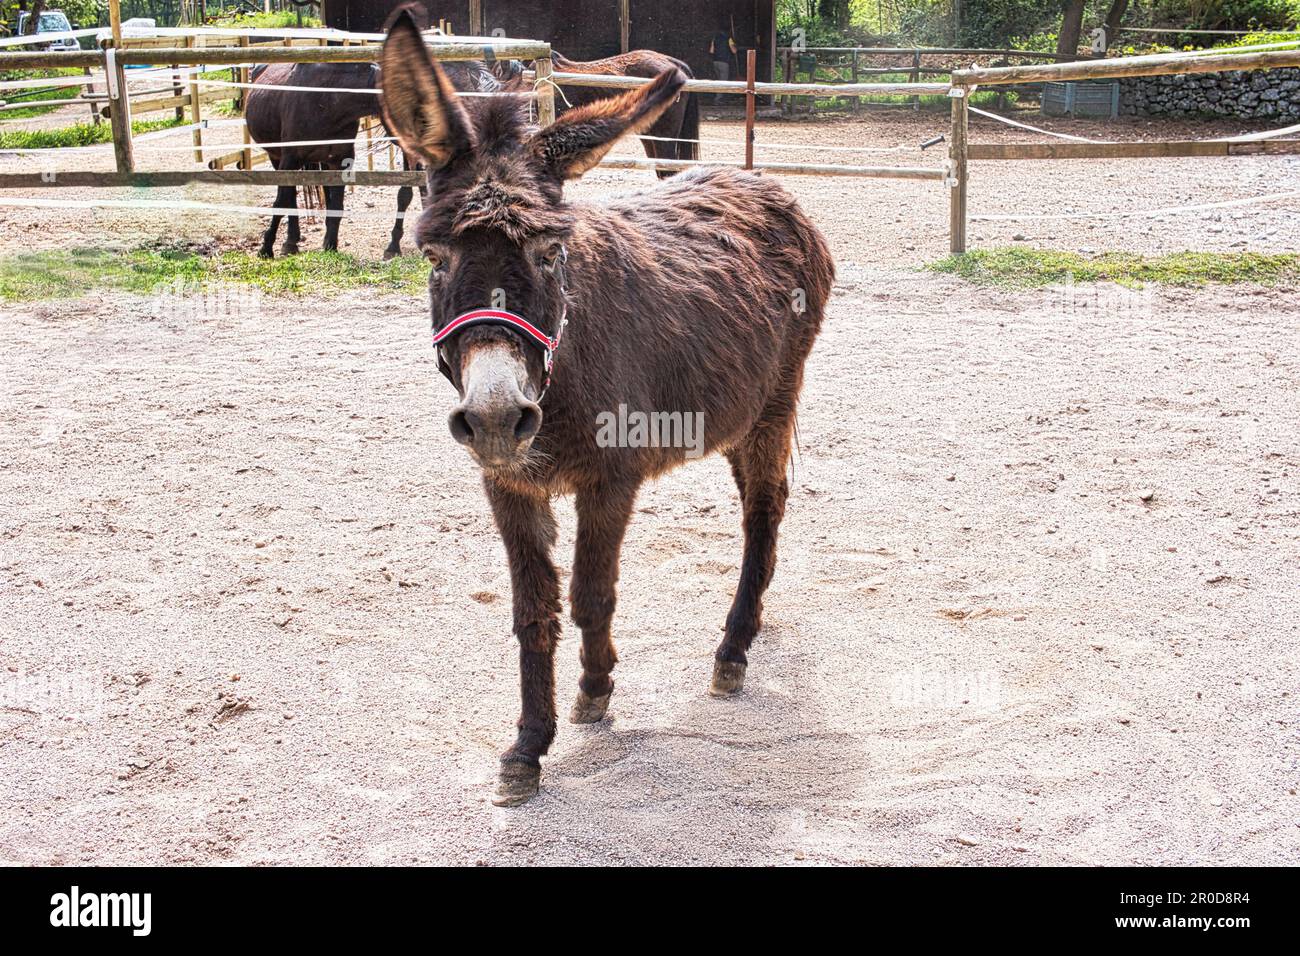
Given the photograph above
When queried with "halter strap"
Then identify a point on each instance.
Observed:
(510, 320)
(497, 317)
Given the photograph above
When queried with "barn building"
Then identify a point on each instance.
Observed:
(591, 29)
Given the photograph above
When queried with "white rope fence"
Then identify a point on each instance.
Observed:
(42, 202)
(1243, 138)
(1034, 129)
(1137, 213)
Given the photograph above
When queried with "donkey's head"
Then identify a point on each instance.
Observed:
(495, 230)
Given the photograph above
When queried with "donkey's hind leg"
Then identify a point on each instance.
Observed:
(759, 465)
(285, 197)
(603, 514)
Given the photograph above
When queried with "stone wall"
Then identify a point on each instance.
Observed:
(1260, 94)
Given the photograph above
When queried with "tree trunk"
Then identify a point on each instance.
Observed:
(1113, 19)
(1071, 28)
(34, 18)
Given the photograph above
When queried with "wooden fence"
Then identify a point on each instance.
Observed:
(114, 59)
(965, 82)
(915, 66)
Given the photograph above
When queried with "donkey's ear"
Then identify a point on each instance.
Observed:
(419, 103)
(577, 140)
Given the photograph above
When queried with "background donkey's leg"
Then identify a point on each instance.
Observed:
(527, 528)
(394, 249)
(285, 196)
(293, 226)
(333, 201)
(764, 453)
(603, 513)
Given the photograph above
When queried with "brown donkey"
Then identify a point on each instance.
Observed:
(699, 297)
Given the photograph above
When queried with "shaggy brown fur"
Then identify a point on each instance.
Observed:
(702, 295)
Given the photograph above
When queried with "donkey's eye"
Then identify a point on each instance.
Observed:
(553, 255)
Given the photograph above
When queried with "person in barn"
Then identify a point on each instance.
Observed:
(722, 48)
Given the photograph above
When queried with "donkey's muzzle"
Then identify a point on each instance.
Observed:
(496, 430)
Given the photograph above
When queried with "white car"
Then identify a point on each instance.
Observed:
(51, 21)
(137, 28)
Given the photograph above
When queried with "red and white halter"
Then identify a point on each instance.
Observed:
(510, 320)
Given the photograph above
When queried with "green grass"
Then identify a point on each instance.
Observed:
(61, 274)
(1033, 268)
(1257, 39)
(78, 134)
(278, 20)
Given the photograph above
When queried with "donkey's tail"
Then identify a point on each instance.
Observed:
(690, 129)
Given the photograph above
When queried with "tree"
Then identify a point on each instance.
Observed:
(34, 18)
(1113, 20)
(834, 11)
(1071, 27)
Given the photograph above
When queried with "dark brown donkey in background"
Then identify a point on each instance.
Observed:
(676, 130)
(330, 109)
(702, 295)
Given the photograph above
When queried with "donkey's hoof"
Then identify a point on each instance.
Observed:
(289, 249)
(728, 679)
(265, 253)
(588, 710)
(516, 784)
(391, 253)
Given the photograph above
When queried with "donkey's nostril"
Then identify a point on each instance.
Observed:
(530, 422)
(462, 429)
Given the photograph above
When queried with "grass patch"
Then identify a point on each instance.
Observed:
(278, 20)
(78, 134)
(1034, 268)
(1257, 39)
(61, 274)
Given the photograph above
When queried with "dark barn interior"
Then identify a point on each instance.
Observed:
(591, 29)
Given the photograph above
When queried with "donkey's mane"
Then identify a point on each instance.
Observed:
(497, 187)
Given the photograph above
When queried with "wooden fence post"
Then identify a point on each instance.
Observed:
(957, 172)
(545, 91)
(178, 91)
(788, 105)
(89, 90)
(916, 76)
(195, 117)
(857, 100)
(245, 74)
(119, 110)
(751, 68)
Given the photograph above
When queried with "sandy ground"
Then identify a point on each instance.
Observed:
(1036, 599)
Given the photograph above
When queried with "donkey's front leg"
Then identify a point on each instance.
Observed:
(527, 528)
(603, 513)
